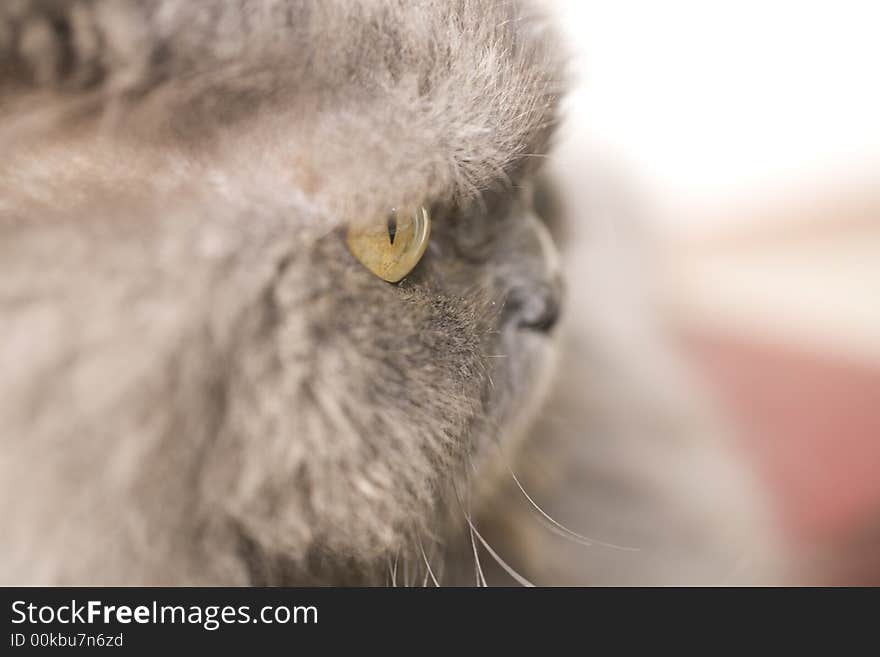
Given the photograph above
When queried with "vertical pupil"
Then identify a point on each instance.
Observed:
(392, 228)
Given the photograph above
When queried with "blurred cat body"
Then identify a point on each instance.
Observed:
(202, 386)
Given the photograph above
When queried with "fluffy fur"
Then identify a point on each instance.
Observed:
(201, 385)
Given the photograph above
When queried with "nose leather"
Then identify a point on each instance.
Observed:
(534, 299)
(535, 306)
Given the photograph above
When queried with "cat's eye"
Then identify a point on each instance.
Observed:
(393, 244)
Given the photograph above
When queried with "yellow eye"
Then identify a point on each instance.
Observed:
(391, 246)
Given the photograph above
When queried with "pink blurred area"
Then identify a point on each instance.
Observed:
(811, 426)
(780, 314)
(749, 137)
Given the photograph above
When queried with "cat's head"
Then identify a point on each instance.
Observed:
(346, 414)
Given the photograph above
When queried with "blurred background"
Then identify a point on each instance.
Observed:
(748, 135)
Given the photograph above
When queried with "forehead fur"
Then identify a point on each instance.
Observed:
(354, 104)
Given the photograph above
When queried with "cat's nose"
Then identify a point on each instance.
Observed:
(534, 299)
(536, 307)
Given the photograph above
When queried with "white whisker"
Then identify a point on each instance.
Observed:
(578, 538)
(481, 579)
(394, 571)
(501, 562)
(428, 565)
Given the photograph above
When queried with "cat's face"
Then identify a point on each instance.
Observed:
(346, 413)
(401, 394)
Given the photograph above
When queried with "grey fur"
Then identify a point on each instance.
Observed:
(200, 384)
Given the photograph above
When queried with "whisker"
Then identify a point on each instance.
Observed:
(553, 529)
(428, 565)
(481, 579)
(501, 562)
(578, 538)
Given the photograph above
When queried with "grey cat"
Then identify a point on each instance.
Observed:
(202, 385)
